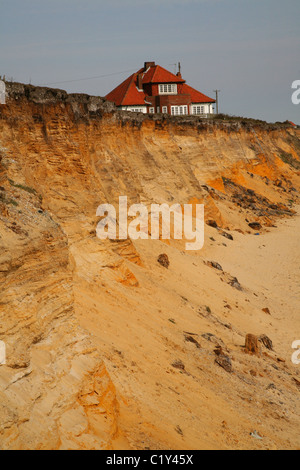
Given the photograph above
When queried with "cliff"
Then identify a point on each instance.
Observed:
(106, 348)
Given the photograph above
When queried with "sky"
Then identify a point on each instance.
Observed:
(248, 49)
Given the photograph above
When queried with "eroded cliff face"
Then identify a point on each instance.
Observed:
(105, 347)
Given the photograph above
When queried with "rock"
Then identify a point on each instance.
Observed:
(227, 235)
(252, 345)
(179, 430)
(190, 339)
(212, 223)
(219, 351)
(255, 225)
(178, 365)
(235, 283)
(224, 362)
(215, 265)
(266, 342)
(297, 382)
(255, 435)
(164, 260)
(213, 339)
(266, 310)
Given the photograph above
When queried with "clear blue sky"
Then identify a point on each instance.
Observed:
(249, 49)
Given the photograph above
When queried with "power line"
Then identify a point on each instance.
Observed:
(88, 78)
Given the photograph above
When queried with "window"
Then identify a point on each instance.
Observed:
(165, 109)
(168, 89)
(179, 110)
(158, 110)
(199, 109)
(151, 110)
(134, 109)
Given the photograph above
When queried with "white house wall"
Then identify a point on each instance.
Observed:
(207, 108)
(134, 109)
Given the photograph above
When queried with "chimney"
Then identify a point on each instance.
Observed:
(148, 64)
(179, 70)
(140, 81)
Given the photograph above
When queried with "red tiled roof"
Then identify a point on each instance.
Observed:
(127, 94)
(196, 96)
(157, 74)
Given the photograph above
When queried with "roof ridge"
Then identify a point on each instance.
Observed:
(158, 69)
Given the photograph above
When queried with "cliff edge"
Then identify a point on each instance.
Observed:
(108, 349)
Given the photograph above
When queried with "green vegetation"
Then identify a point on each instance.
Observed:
(23, 187)
(8, 201)
(289, 159)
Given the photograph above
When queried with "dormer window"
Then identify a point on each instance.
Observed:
(168, 89)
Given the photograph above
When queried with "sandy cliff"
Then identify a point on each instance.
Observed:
(106, 348)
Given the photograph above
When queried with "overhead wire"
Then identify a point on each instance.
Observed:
(87, 78)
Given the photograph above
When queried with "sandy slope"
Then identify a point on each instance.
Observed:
(107, 348)
(212, 409)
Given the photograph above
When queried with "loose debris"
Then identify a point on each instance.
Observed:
(178, 365)
(266, 342)
(163, 260)
(179, 430)
(266, 310)
(255, 225)
(224, 362)
(226, 235)
(235, 283)
(255, 435)
(252, 345)
(222, 359)
(190, 339)
(212, 223)
(215, 265)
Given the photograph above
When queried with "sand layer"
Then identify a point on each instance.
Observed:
(107, 348)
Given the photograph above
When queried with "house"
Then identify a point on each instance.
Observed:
(293, 124)
(154, 89)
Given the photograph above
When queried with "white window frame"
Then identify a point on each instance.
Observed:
(198, 109)
(165, 109)
(151, 110)
(134, 109)
(158, 109)
(179, 110)
(167, 89)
